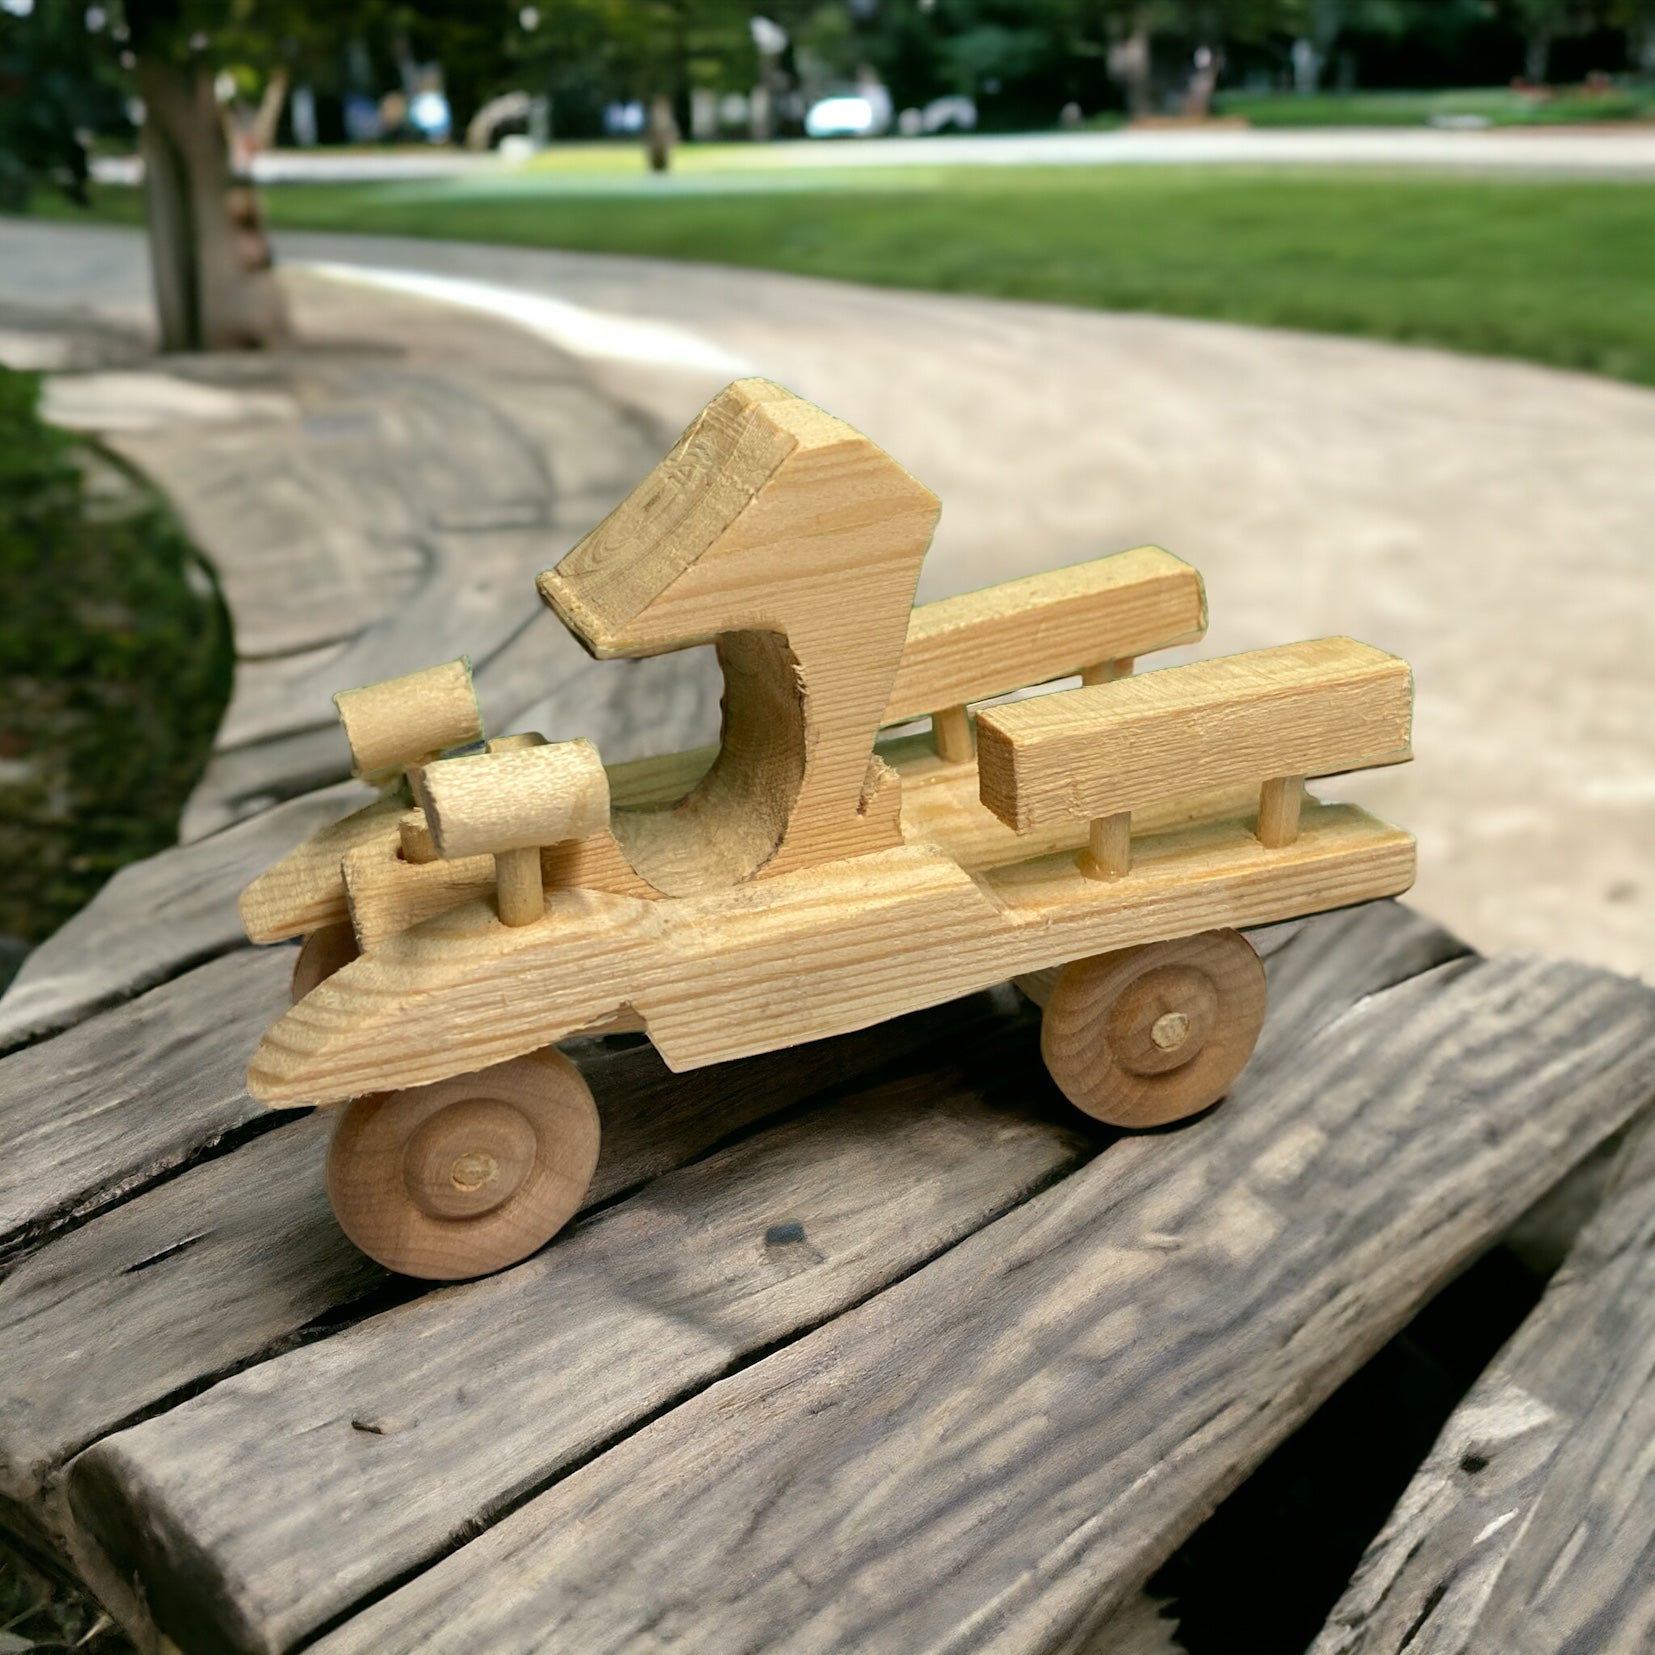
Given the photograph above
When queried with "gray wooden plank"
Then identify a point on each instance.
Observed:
(649, 1301)
(157, 918)
(239, 1257)
(132, 1094)
(994, 1452)
(1530, 1528)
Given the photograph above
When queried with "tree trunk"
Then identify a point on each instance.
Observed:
(660, 132)
(1537, 55)
(1129, 64)
(213, 285)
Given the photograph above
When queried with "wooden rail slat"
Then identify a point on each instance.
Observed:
(997, 1450)
(132, 1094)
(233, 1259)
(1307, 709)
(158, 918)
(1043, 627)
(609, 1324)
(1530, 1528)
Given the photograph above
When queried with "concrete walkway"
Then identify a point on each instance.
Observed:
(1489, 520)
(1601, 151)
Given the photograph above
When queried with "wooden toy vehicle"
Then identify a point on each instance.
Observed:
(806, 877)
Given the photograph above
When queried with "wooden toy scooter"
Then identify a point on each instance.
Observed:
(806, 877)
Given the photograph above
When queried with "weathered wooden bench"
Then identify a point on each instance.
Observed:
(870, 1345)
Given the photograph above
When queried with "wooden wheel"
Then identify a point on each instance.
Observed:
(467, 1175)
(1151, 1034)
(321, 954)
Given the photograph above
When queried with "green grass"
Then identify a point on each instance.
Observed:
(1553, 271)
(115, 663)
(1498, 105)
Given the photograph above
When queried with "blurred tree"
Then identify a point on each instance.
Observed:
(52, 93)
(653, 52)
(1637, 19)
(1542, 23)
(208, 252)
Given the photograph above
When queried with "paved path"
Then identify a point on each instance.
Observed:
(1600, 151)
(1488, 520)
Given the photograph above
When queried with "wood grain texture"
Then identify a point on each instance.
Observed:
(1043, 627)
(233, 1259)
(650, 1300)
(156, 919)
(798, 957)
(1310, 709)
(1530, 1528)
(131, 1094)
(995, 1452)
(173, 1478)
(518, 800)
(795, 543)
(406, 720)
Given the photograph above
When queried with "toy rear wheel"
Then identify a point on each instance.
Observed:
(468, 1175)
(1153, 1034)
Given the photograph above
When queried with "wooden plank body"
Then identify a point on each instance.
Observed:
(1045, 626)
(796, 958)
(1309, 709)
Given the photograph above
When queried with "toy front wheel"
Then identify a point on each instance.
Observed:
(467, 1175)
(1152, 1034)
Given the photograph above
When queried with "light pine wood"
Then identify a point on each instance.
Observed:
(386, 895)
(508, 804)
(322, 953)
(519, 894)
(1153, 1034)
(492, 802)
(1106, 672)
(1531, 1525)
(1015, 1436)
(956, 740)
(795, 543)
(1315, 708)
(803, 956)
(1108, 853)
(467, 1176)
(408, 720)
(414, 841)
(1280, 801)
(1045, 626)
(305, 890)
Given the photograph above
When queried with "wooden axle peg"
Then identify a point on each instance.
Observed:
(408, 720)
(1278, 810)
(414, 837)
(517, 886)
(509, 804)
(1108, 853)
(1106, 672)
(955, 738)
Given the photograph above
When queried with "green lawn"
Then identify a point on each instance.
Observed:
(1554, 271)
(115, 664)
(1497, 105)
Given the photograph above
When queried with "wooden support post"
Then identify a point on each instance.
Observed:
(956, 740)
(1278, 810)
(1108, 853)
(1106, 672)
(414, 837)
(521, 896)
(507, 805)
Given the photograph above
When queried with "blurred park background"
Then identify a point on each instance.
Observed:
(969, 226)
(323, 328)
